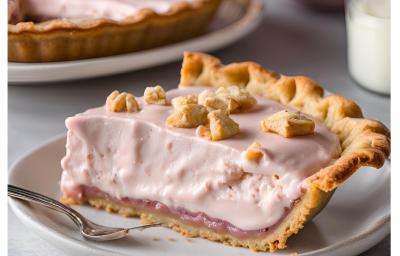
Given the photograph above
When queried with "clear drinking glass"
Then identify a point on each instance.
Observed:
(368, 43)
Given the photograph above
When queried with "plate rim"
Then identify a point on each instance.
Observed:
(236, 30)
(380, 227)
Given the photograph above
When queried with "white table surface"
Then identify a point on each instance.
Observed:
(291, 40)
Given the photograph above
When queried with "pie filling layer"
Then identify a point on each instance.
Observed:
(198, 219)
(77, 10)
(135, 157)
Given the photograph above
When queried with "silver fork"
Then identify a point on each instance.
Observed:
(87, 228)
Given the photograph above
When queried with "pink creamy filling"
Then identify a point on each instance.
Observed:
(199, 219)
(134, 155)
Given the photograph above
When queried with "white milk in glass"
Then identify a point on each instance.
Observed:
(368, 40)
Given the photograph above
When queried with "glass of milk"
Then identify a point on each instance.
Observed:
(368, 43)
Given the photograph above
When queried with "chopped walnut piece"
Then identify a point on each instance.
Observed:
(188, 116)
(215, 103)
(254, 152)
(221, 125)
(121, 102)
(155, 95)
(204, 95)
(203, 131)
(237, 98)
(288, 124)
(131, 103)
(180, 101)
(231, 99)
(209, 99)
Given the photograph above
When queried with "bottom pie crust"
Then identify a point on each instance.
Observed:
(303, 210)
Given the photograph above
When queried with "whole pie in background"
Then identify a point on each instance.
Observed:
(57, 30)
(237, 154)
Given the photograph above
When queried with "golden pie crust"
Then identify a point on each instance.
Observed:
(364, 143)
(61, 40)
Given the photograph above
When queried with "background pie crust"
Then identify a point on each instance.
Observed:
(60, 40)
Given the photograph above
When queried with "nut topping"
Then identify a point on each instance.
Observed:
(209, 99)
(121, 102)
(254, 152)
(155, 95)
(221, 126)
(237, 98)
(288, 124)
(180, 101)
(188, 116)
(232, 99)
(204, 131)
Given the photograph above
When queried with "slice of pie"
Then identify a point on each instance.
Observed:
(59, 30)
(237, 154)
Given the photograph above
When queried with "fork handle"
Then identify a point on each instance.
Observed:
(27, 195)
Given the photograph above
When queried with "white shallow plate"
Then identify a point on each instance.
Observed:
(356, 218)
(234, 20)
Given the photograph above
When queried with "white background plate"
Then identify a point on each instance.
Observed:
(234, 20)
(356, 218)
